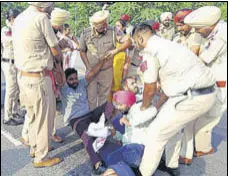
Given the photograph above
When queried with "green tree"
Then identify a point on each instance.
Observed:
(139, 11)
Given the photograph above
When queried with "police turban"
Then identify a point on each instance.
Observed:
(59, 17)
(99, 17)
(41, 4)
(203, 17)
(166, 15)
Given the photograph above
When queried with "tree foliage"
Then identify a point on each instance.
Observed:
(139, 11)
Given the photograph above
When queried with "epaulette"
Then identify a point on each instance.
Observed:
(87, 30)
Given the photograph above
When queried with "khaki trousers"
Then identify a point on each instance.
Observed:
(37, 95)
(173, 116)
(202, 128)
(99, 88)
(11, 104)
(172, 150)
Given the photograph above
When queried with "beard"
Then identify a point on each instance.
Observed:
(73, 86)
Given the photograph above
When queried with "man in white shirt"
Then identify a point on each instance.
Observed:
(187, 82)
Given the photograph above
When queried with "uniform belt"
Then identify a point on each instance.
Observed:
(221, 84)
(202, 91)
(36, 74)
(8, 60)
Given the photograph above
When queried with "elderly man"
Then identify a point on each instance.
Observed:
(213, 53)
(96, 43)
(194, 95)
(167, 31)
(35, 44)
(11, 104)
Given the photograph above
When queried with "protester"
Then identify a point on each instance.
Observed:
(120, 59)
(76, 110)
(127, 19)
(74, 53)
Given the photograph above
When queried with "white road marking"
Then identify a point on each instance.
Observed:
(11, 138)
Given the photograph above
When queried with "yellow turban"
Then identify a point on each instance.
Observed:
(59, 17)
(203, 17)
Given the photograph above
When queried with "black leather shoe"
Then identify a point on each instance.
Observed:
(100, 170)
(171, 171)
(12, 122)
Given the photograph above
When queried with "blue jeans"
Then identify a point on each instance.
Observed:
(123, 158)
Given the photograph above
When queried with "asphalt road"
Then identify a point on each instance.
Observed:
(15, 158)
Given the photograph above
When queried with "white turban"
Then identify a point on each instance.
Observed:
(203, 17)
(99, 16)
(59, 17)
(166, 15)
(41, 4)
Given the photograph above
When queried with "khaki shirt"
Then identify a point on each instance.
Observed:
(7, 43)
(167, 32)
(177, 68)
(190, 40)
(214, 51)
(32, 38)
(96, 46)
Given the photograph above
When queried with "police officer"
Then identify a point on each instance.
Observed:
(187, 82)
(213, 53)
(192, 40)
(58, 18)
(98, 42)
(11, 116)
(35, 44)
(187, 35)
(167, 30)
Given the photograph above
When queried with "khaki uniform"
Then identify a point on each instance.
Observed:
(167, 32)
(95, 47)
(160, 58)
(184, 141)
(32, 38)
(214, 53)
(190, 40)
(11, 104)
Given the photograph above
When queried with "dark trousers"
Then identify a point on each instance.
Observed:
(125, 160)
(80, 125)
